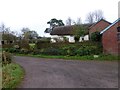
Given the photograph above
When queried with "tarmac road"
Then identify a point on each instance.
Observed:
(59, 73)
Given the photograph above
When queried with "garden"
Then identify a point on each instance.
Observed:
(88, 50)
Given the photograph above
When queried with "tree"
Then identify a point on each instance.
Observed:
(7, 34)
(69, 21)
(79, 21)
(98, 14)
(80, 30)
(28, 34)
(90, 17)
(53, 23)
(95, 16)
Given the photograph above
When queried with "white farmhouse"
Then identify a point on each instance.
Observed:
(59, 33)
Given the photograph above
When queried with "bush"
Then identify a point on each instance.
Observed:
(96, 36)
(24, 51)
(6, 58)
(24, 44)
(51, 51)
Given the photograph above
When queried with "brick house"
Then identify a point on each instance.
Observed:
(99, 26)
(111, 38)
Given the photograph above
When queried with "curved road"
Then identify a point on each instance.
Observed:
(58, 73)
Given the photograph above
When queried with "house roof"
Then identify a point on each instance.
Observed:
(110, 26)
(66, 30)
(98, 22)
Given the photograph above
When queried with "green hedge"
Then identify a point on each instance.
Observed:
(65, 49)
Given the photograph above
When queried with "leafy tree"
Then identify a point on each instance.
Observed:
(28, 34)
(53, 23)
(80, 31)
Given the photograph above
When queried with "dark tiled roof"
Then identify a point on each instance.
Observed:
(66, 30)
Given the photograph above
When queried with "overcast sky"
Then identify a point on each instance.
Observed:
(34, 14)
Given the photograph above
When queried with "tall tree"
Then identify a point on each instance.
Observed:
(90, 17)
(98, 14)
(53, 23)
(95, 16)
(79, 21)
(69, 21)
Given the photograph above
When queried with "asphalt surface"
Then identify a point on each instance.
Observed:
(58, 73)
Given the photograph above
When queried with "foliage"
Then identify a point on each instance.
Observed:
(29, 34)
(80, 30)
(81, 49)
(100, 57)
(24, 44)
(66, 49)
(96, 36)
(53, 23)
(12, 74)
(6, 58)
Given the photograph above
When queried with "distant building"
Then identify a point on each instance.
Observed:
(68, 32)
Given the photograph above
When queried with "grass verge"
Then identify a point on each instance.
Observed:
(88, 57)
(12, 75)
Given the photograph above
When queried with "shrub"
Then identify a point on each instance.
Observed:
(24, 51)
(96, 36)
(24, 44)
(51, 51)
(6, 58)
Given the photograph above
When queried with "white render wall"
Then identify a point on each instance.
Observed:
(86, 38)
(70, 38)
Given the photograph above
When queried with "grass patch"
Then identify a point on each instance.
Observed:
(12, 74)
(87, 57)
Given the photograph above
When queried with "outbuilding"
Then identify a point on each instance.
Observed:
(98, 26)
(111, 38)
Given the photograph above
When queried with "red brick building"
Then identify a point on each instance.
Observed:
(99, 26)
(111, 38)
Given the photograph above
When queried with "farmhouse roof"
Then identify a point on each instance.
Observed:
(66, 30)
(110, 26)
(98, 22)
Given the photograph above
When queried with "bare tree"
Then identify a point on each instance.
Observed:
(79, 21)
(69, 21)
(90, 17)
(95, 16)
(98, 14)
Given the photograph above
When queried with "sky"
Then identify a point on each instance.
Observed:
(35, 14)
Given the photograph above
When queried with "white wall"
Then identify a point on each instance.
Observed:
(70, 38)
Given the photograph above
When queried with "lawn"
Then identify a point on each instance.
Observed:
(87, 57)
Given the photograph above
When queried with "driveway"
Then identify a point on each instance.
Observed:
(58, 73)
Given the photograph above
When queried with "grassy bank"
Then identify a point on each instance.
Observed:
(87, 57)
(12, 74)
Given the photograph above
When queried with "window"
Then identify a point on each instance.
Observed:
(118, 36)
(2, 42)
(118, 28)
(82, 38)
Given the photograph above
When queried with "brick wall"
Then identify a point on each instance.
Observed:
(110, 41)
(99, 26)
